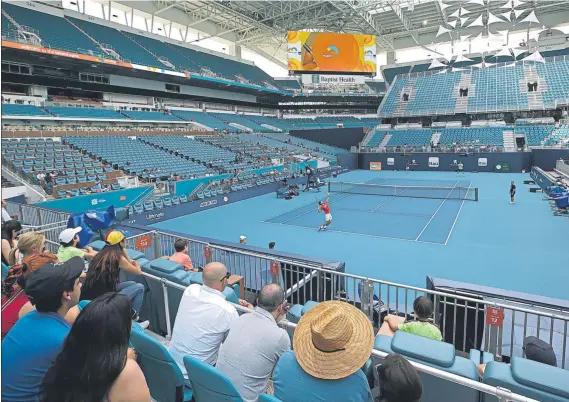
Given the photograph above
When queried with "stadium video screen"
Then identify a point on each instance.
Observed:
(331, 52)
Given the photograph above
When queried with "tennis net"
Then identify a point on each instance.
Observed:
(450, 193)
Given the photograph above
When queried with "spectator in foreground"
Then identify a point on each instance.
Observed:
(5, 215)
(104, 271)
(203, 318)
(96, 363)
(10, 232)
(255, 343)
(535, 349)
(14, 298)
(35, 341)
(332, 341)
(399, 381)
(68, 241)
(242, 239)
(423, 308)
(181, 255)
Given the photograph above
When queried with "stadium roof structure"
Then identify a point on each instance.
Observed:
(262, 25)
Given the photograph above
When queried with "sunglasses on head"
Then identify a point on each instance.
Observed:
(227, 275)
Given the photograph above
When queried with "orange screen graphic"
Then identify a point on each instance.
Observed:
(331, 52)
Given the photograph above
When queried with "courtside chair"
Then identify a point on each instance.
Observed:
(163, 376)
(268, 398)
(208, 384)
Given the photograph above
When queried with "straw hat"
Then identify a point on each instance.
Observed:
(333, 340)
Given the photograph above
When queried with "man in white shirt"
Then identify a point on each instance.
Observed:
(203, 318)
(5, 215)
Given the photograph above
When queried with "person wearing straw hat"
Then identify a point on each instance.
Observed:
(332, 342)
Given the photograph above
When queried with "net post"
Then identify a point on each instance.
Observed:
(475, 193)
(329, 187)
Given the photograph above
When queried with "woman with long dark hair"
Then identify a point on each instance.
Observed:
(10, 232)
(104, 272)
(94, 365)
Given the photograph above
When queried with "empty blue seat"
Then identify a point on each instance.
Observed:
(159, 204)
(529, 378)
(71, 180)
(183, 198)
(163, 376)
(167, 202)
(208, 383)
(59, 181)
(200, 195)
(115, 186)
(148, 206)
(91, 177)
(138, 209)
(175, 200)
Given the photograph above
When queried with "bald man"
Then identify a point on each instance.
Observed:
(203, 318)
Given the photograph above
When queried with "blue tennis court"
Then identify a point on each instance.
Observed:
(488, 242)
(415, 210)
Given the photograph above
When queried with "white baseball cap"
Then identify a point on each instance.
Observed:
(242, 237)
(68, 234)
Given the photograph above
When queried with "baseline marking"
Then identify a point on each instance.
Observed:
(432, 217)
(457, 215)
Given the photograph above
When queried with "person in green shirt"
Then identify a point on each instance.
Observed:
(423, 307)
(68, 240)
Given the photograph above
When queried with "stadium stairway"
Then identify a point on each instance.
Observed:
(535, 99)
(462, 101)
(509, 140)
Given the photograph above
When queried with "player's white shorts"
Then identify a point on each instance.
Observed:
(328, 217)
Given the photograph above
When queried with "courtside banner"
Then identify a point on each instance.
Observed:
(433, 161)
(375, 166)
(391, 161)
(482, 161)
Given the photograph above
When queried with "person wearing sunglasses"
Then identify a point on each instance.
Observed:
(254, 344)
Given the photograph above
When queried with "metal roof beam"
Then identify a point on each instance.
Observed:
(369, 20)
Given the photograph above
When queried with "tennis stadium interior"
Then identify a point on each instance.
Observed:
(201, 120)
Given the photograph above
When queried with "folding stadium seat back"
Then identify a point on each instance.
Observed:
(529, 378)
(208, 383)
(159, 204)
(115, 186)
(148, 206)
(91, 177)
(163, 376)
(436, 354)
(59, 181)
(175, 200)
(139, 209)
(200, 195)
(167, 202)
(183, 198)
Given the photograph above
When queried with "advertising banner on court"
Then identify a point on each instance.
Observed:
(502, 168)
(391, 161)
(482, 162)
(433, 161)
(375, 166)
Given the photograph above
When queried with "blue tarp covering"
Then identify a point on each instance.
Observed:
(91, 222)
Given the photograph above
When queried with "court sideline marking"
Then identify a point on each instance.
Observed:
(440, 206)
(385, 202)
(457, 215)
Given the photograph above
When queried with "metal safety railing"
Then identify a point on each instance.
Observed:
(466, 320)
(35, 216)
(503, 395)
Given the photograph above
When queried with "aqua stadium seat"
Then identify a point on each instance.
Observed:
(9, 109)
(268, 398)
(167, 202)
(183, 198)
(529, 378)
(163, 376)
(138, 209)
(208, 383)
(436, 354)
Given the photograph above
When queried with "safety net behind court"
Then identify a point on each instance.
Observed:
(450, 193)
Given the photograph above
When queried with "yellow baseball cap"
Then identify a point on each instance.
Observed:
(114, 237)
